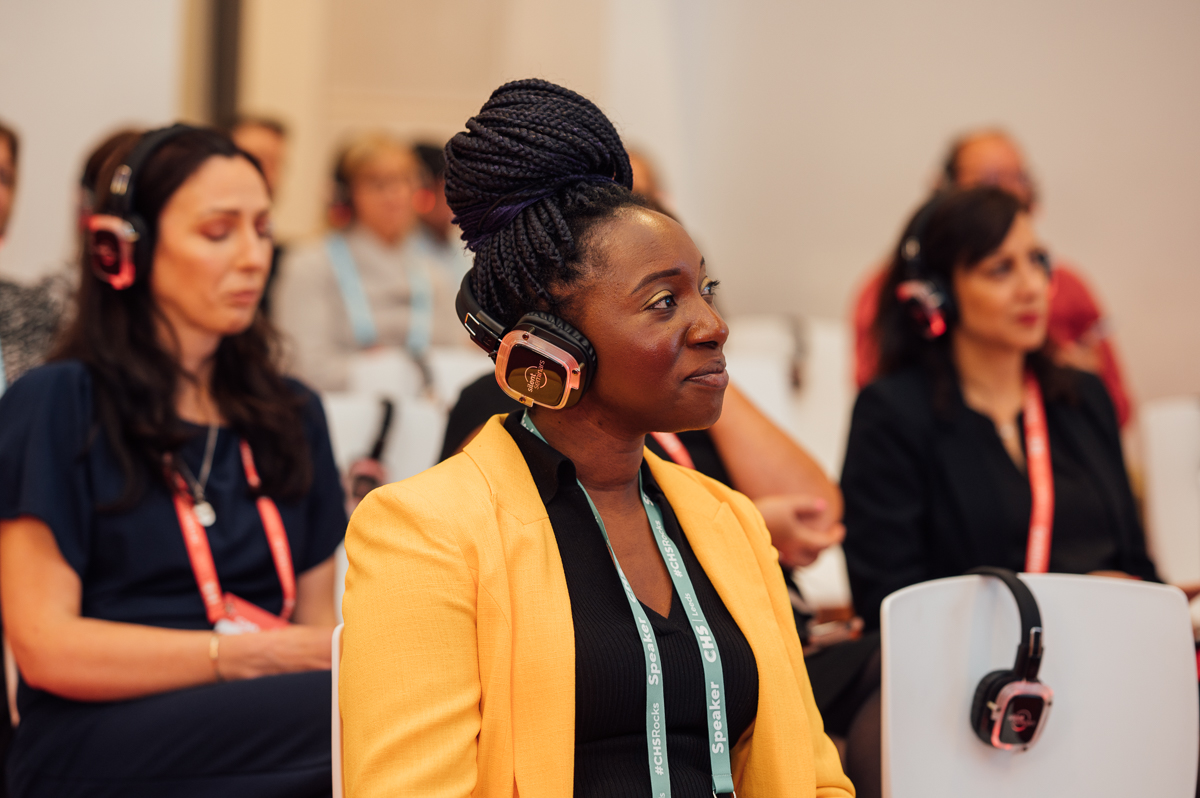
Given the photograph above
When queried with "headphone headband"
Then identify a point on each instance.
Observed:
(116, 234)
(120, 189)
(1029, 652)
(486, 332)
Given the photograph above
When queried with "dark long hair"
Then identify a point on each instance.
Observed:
(957, 229)
(538, 167)
(135, 379)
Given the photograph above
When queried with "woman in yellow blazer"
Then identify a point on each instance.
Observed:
(555, 611)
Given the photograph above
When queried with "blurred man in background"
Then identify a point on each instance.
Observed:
(438, 235)
(266, 139)
(29, 314)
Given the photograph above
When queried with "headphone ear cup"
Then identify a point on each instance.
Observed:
(981, 714)
(568, 335)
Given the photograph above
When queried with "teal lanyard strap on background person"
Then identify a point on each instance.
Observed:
(719, 743)
(351, 288)
(354, 296)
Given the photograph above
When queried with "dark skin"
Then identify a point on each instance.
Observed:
(645, 303)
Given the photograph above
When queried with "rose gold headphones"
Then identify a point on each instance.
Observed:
(540, 360)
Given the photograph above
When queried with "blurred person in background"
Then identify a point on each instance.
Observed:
(29, 314)
(438, 236)
(1078, 330)
(940, 475)
(646, 182)
(169, 506)
(973, 446)
(367, 284)
(267, 140)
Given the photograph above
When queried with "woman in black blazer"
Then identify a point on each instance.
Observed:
(935, 476)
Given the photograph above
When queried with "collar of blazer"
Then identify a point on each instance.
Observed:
(543, 653)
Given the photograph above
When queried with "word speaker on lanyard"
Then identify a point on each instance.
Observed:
(230, 614)
(710, 656)
(1041, 478)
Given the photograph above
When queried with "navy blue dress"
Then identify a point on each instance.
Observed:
(261, 737)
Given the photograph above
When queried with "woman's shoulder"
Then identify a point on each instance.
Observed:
(1088, 397)
(50, 403)
(61, 380)
(905, 395)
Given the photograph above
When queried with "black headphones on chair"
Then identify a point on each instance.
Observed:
(1010, 706)
(117, 238)
(540, 360)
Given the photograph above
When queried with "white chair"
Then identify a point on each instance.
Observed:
(759, 355)
(823, 404)
(336, 714)
(414, 443)
(1118, 655)
(454, 368)
(385, 370)
(1171, 430)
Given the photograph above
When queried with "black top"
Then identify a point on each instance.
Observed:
(932, 494)
(56, 465)
(610, 690)
(483, 399)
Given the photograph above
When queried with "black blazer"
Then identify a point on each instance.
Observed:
(932, 494)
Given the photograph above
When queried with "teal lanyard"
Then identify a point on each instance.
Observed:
(354, 296)
(710, 655)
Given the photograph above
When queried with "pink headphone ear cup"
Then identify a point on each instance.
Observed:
(111, 249)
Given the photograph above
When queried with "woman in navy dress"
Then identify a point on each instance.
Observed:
(160, 452)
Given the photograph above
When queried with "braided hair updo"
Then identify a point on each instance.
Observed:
(537, 167)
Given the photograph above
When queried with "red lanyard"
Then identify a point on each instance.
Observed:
(1041, 478)
(215, 603)
(674, 448)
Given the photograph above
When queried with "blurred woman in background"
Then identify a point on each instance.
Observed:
(972, 447)
(169, 506)
(368, 284)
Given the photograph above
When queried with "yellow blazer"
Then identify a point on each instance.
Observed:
(458, 671)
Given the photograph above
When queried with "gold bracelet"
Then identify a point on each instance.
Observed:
(214, 654)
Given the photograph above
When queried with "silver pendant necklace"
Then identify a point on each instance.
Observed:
(201, 507)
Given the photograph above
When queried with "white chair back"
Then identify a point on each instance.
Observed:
(336, 714)
(454, 368)
(414, 443)
(759, 355)
(1171, 430)
(385, 370)
(826, 396)
(1119, 657)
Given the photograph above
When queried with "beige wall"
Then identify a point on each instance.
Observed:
(68, 78)
(796, 137)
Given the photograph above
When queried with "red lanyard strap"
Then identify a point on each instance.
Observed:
(674, 448)
(281, 552)
(200, 553)
(1041, 478)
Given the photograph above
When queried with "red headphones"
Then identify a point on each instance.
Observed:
(117, 237)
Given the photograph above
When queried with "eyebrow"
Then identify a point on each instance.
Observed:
(649, 278)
